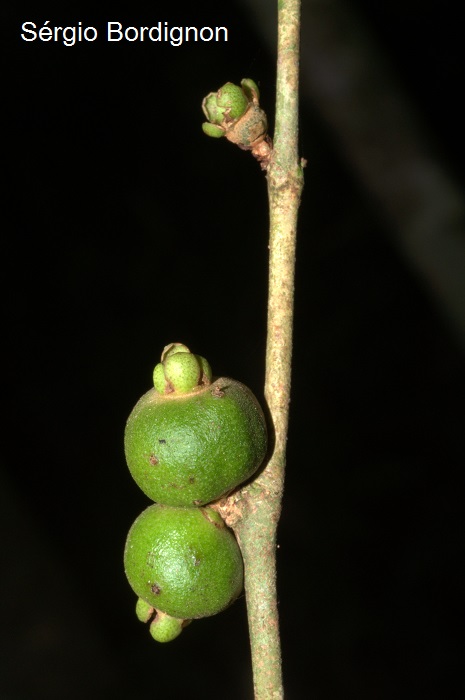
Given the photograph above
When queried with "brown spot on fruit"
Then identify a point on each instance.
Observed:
(153, 460)
(156, 590)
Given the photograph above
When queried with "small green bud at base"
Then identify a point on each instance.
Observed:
(144, 610)
(165, 628)
(212, 130)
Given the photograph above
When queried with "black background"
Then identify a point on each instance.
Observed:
(126, 229)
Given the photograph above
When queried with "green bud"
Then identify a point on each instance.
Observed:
(172, 349)
(233, 111)
(250, 88)
(232, 101)
(180, 371)
(226, 105)
(159, 381)
(144, 610)
(207, 374)
(212, 130)
(165, 628)
(210, 108)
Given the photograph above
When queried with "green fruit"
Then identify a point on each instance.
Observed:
(191, 449)
(183, 562)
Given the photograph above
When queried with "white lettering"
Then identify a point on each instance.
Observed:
(69, 36)
(24, 27)
(45, 33)
(217, 33)
(130, 30)
(92, 38)
(176, 40)
(192, 29)
(202, 33)
(156, 29)
(111, 31)
(161, 31)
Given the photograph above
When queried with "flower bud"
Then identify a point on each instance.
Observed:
(180, 371)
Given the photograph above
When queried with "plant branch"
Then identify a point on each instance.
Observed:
(254, 512)
(346, 77)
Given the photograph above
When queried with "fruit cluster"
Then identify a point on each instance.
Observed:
(188, 441)
(233, 111)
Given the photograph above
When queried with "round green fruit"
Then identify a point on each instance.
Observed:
(191, 449)
(183, 562)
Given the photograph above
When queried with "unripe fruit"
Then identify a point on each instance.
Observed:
(192, 445)
(183, 562)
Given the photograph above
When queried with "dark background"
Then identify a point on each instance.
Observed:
(126, 229)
